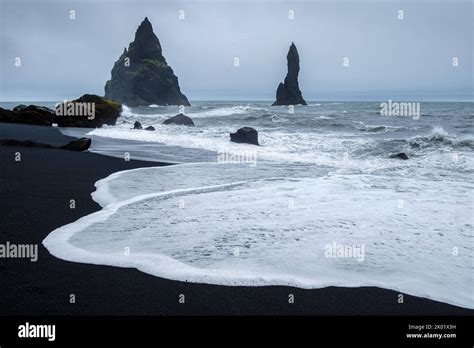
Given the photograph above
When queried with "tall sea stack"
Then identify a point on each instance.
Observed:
(289, 93)
(141, 76)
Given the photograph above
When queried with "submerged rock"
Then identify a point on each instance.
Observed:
(401, 155)
(288, 93)
(245, 135)
(150, 128)
(141, 76)
(180, 120)
(137, 125)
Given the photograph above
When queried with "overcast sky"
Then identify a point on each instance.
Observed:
(389, 58)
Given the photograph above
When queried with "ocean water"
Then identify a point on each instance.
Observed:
(238, 214)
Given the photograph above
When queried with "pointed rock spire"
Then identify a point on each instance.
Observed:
(288, 93)
(145, 78)
(146, 44)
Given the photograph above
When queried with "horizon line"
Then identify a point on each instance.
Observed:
(447, 100)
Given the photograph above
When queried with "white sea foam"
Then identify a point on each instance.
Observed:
(199, 112)
(225, 111)
(280, 226)
(278, 119)
(128, 113)
(288, 147)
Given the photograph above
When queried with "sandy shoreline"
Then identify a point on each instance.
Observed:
(35, 200)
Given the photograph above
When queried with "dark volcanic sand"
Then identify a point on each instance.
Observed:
(35, 196)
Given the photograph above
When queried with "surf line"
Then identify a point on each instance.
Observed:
(57, 242)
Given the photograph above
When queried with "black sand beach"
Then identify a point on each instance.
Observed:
(35, 196)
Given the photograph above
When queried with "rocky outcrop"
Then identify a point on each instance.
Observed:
(88, 111)
(81, 144)
(401, 155)
(141, 76)
(138, 125)
(245, 135)
(180, 120)
(288, 93)
(32, 114)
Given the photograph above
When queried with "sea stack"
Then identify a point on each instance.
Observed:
(288, 93)
(141, 76)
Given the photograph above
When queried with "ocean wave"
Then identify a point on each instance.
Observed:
(374, 129)
(225, 111)
(278, 244)
(439, 137)
(379, 128)
(278, 119)
(193, 112)
(130, 115)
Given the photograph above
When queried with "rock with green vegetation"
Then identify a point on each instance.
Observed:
(88, 111)
(141, 76)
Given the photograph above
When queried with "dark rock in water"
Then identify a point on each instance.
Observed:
(137, 125)
(32, 114)
(141, 76)
(180, 120)
(89, 111)
(81, 144)
(288, 93)
(401, 155)
(150, 128)
(245, 135)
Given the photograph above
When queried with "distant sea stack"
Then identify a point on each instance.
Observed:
(289, 93)
(141, 76)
